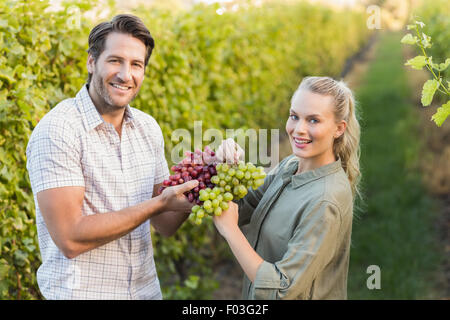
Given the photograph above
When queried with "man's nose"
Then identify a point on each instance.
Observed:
(125, 73)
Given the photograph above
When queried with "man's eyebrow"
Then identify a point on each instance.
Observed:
(120, 58)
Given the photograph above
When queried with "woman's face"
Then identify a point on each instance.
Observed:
(312, 128)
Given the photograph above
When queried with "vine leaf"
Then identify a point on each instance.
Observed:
(441, 114)
(409, 39)
(441, 66)
(417, 62)
(429, 88)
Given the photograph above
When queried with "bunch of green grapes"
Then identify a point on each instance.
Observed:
(231, 182)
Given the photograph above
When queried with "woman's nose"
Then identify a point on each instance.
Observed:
(301, 126)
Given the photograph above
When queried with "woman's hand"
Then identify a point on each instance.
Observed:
(228, 220)
(229, 152)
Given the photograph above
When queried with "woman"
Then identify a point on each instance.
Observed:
(298, 240)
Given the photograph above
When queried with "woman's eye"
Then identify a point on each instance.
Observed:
(293, 117)
(314, 121)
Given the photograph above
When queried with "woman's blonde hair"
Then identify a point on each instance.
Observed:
(346, 147)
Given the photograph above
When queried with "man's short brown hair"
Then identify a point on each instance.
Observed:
(122, 23)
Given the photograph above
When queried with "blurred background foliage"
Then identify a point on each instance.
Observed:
(230, 69)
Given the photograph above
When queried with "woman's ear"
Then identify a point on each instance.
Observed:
(340, 129)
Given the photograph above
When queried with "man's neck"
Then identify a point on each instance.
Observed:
(113, 116)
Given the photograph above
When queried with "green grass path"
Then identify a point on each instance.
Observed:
(394, 228)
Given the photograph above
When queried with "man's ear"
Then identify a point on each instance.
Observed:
(90, 64)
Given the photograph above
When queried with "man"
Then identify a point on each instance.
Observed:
(95, 166)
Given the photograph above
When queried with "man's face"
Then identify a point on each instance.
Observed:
(118, 73)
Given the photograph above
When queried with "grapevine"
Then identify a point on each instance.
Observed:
(437, 83)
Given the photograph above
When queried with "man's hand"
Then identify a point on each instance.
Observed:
(174, 199)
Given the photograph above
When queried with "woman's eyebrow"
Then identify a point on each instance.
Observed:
(309, 115)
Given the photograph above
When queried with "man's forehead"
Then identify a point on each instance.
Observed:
(124, 45)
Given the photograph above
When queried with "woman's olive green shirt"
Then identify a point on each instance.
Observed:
(300, 224)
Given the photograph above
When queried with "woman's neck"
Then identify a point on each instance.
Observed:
(314, 163)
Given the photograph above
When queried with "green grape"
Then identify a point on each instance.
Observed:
(222, 176)
(255, 174)
(258, 182)
(195, 208)
(239, 174)
(215, 179)
(231, 172)
(212, 195)
(209, 209)
(222, 183)
(225, 167)
(227, 187)
(242, 166)
(218, 167)
(251, 167)
(242, 189)
(227, 196)
(203, 196)
(248, 175)
(227, 178)
(207, 204)
(200, 213)
(235, 181)
(198, 221)
(218, 211)
(216, 190)
(224, 205)
(215, 203)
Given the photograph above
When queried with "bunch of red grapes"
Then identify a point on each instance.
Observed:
(196, 165)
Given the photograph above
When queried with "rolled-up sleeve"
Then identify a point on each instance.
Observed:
(310, 249)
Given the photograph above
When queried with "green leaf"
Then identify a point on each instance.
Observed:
(441, 114)
(429, 88)
(409, 39)
(441, 66)
(192, 282)
(417, 62)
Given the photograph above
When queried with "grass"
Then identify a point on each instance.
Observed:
(394, 227)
